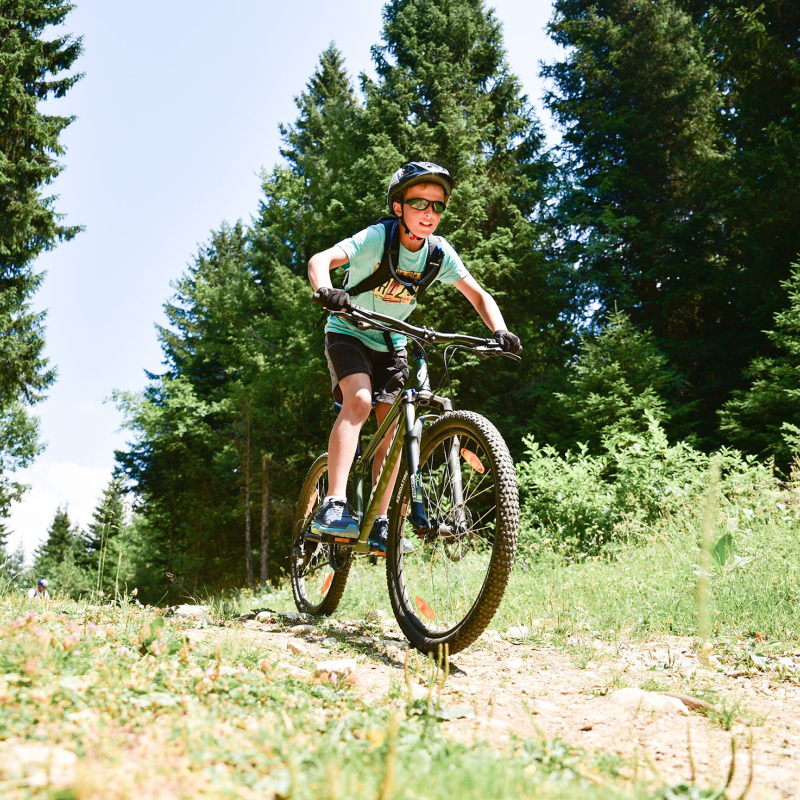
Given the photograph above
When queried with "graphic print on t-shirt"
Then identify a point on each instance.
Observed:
(393, 291)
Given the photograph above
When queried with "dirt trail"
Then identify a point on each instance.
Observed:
(533, 689)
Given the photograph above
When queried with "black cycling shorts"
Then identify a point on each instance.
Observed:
(347, 355)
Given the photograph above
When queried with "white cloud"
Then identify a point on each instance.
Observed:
(54, 484)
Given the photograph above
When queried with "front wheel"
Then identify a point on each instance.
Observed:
(319, 569)
(447, 589)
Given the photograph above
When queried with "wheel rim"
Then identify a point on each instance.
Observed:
(445, 574)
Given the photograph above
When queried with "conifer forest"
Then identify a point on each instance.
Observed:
(648, 262)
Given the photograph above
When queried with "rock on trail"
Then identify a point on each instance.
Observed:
(640, 700)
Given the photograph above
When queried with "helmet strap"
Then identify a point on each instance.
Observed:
(411, 236)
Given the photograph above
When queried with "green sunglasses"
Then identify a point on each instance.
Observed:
(420, 204)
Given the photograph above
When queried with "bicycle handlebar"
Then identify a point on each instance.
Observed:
(364, 318)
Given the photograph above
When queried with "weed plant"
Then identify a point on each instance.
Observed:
(611, 543)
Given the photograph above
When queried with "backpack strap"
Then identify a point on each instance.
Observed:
(383, 273)
(391, 250)
(391, 246)
(433, 265)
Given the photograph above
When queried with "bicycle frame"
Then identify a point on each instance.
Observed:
(447, 580)
(416, 392)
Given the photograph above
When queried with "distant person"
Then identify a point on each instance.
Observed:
(40, 590)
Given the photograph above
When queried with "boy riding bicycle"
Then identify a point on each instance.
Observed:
(365, 365)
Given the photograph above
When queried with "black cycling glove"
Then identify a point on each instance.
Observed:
(509, 343)
(334, 299)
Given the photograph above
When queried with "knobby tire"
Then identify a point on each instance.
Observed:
(463, 603)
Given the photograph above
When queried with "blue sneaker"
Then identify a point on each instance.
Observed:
(379, 536)
(334, 519)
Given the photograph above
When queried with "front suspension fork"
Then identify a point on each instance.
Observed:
(411, 443)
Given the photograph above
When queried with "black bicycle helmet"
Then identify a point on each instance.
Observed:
(418, 172)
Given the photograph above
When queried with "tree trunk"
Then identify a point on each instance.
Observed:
(264, 520)
(248, 539)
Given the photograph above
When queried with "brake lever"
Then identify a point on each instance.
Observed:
(485, 352)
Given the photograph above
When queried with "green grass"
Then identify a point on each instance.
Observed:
(642, 589)
(148, 714)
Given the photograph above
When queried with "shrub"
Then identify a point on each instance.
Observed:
(583, 501)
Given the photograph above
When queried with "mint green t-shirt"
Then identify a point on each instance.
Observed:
(365, 251)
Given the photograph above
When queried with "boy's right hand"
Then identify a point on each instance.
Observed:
(333, 299)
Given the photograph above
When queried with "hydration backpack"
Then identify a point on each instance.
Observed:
(383, 273)
(391, 249)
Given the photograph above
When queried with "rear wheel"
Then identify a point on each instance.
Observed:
(319, 569)
(448, 589)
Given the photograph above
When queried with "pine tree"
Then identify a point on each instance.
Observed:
(101, 543)
(59, 544)
(637, 100)
(5, 557)
(758, 66)
(19, 445)
(11, 564)
(759, 419)
(59, 547)
(172, 464)
(30, 66)
(60, 557)
(312, 201)
(237, 387)
(445, 93)
(14, 570)
(618, 384)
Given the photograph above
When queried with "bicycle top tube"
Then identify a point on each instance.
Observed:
(363, 318)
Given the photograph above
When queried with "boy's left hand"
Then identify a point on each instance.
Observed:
(509, 343)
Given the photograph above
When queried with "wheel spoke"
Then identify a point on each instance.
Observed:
(449, 574)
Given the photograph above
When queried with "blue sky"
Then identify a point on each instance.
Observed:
(177, 114)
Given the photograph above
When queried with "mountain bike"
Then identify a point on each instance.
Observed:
(455, 499)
